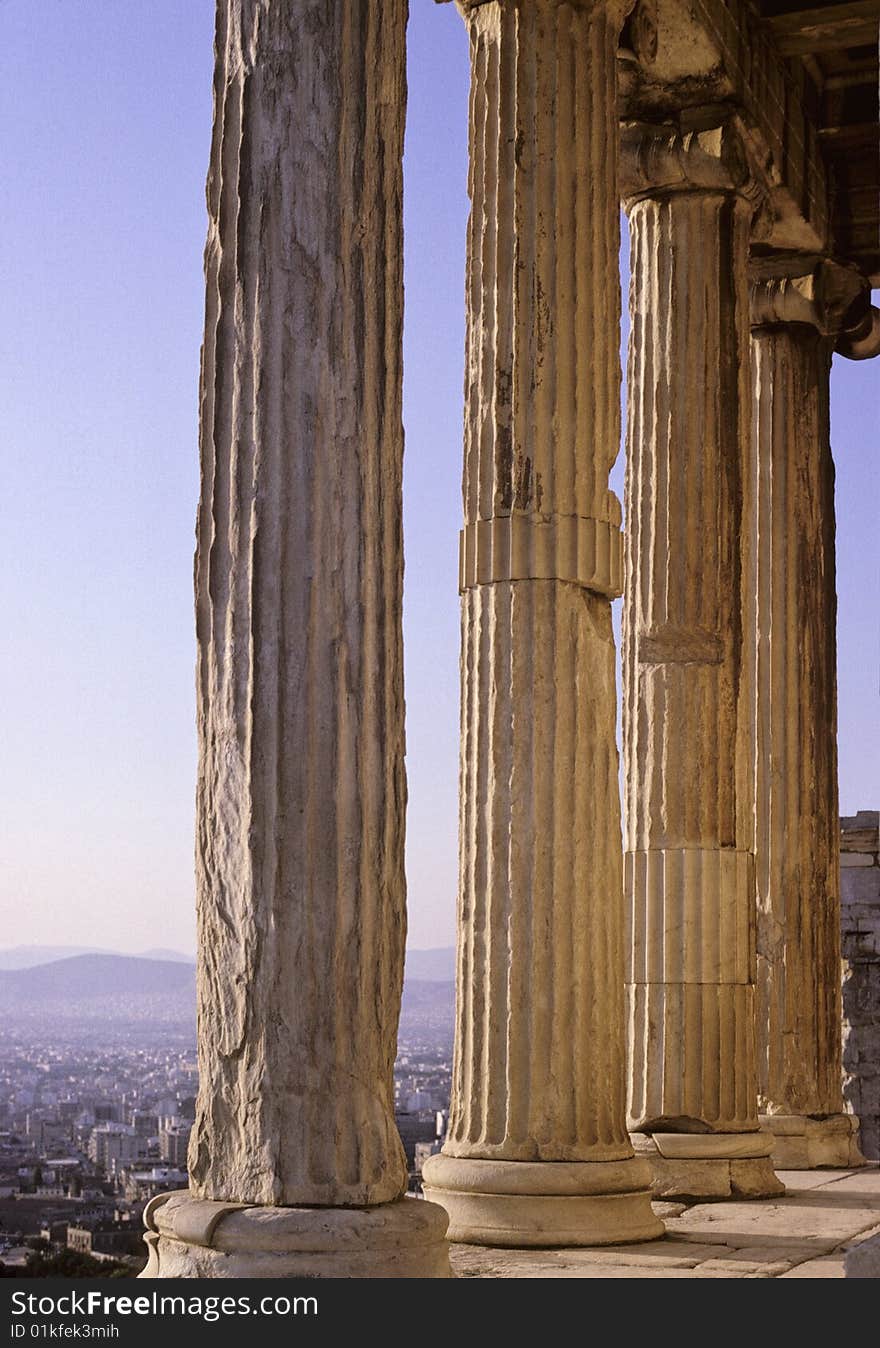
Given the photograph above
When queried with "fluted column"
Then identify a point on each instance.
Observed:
(537, 1151)
(795, 320)
(295, 1162)
(688, 684)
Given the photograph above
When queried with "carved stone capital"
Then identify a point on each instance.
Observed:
(662, 159)
(830, 297)
(620, 7)
(640, 35)
(863, 341)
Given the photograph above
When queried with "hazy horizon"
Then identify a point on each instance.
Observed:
(154, 952)
(106, 116)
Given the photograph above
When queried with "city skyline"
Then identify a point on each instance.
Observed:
(95, 1119)
(99, 357)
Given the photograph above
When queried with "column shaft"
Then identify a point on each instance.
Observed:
(538, 822)
(540, 1016)
(301, 786)
(298, 592)
(688, 684)
(798, 934)
(540, 1048)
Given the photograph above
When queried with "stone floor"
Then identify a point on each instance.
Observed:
(803, 1235)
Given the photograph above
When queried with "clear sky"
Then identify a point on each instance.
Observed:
(105, 111)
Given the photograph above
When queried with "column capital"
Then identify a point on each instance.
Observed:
(659, 159)
(832, 297)
(863, 342)
(827, 295)
(616, 8)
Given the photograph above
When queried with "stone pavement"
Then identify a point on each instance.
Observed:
(803, 1235)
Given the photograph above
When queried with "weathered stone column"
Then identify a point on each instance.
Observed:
(296, 1168)
(537, 1151)
(795, 319)
(688, 686)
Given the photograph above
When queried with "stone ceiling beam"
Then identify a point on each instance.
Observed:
(829, 28)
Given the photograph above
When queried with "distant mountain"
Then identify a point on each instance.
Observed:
(117, 990)
(160, 953)
(124, 990)
(83, 975)
(436, 965)
(27, 956)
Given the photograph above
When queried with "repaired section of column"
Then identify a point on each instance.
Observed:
(691, 197)
(798, 312)
(537, 1152)
(296, 1167)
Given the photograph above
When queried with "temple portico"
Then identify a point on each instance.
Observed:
(648, 1006)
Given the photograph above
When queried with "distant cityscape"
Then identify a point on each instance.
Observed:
(98, 1085)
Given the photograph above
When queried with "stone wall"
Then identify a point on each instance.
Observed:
(860, 929)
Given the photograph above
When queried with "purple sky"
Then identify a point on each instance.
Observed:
(105, 112)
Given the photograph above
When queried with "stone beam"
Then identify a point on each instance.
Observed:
(826, 27)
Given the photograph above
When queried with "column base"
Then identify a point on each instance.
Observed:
(543, 1204)
(701, 1166)
(803, 1143)
(195, 1238)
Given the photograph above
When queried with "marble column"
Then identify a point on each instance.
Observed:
(537, 1151)
(296, 1167)
(688, 685)
(795, 319)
